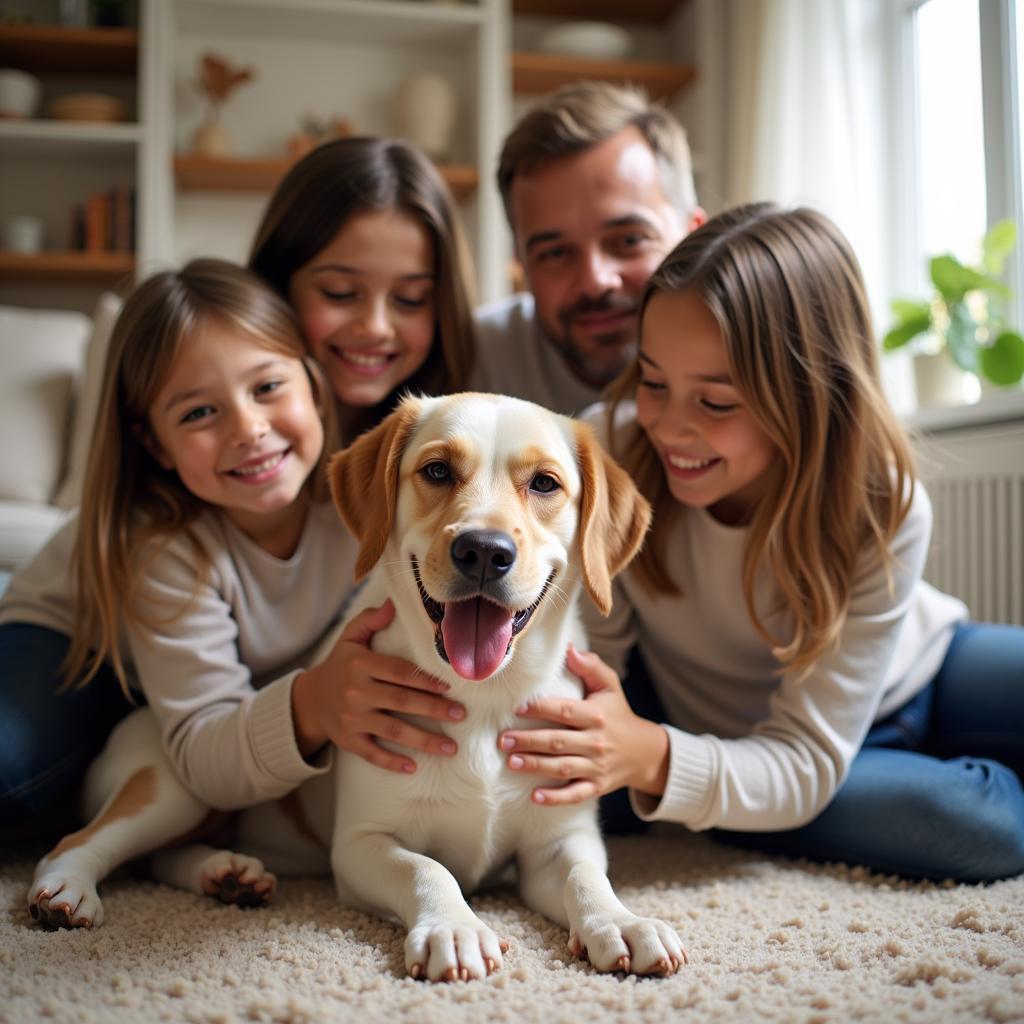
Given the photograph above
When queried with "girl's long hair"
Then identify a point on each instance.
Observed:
(128, 498)
(358, 174)
(787, 293)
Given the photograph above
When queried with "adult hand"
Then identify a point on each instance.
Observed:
(598, 745)
(351, 698)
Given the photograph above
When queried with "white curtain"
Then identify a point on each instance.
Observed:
(811, 90)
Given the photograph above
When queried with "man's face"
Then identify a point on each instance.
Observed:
(590, 230)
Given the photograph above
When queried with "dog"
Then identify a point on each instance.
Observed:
(482, 518)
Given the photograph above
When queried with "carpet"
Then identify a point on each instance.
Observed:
(769, 940)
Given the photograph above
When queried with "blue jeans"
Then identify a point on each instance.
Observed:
(935, 791)
(47, 738)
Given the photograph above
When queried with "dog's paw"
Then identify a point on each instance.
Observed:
(65, 901)
(236, 878)
(637, 945)
(453, 951)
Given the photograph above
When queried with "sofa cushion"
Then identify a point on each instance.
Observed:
(41, 352)
(25, 527)
(87, 400)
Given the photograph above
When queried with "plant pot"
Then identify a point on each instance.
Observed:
(939, 382)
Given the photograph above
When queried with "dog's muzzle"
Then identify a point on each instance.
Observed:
(473, 632)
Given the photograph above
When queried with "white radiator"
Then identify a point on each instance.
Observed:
(975, 479)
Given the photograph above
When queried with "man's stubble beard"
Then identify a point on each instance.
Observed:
(595, 372)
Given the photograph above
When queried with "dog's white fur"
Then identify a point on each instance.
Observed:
(409, 846)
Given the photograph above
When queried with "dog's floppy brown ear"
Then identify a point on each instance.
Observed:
(364, 482)
(614, 517)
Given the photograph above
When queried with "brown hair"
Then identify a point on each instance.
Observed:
(584, 114)
(128, 498)
(787, 293)
(353, 175)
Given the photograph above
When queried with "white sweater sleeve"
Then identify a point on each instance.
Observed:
(785, 772)
(232, 745)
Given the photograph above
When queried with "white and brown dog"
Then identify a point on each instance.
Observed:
(481, 517)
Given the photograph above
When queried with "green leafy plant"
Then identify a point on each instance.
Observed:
(964, 314)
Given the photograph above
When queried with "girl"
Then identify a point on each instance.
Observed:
(205, 562)
(363, 239)
(822, 700)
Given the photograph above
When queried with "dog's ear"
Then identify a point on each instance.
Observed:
(614, 517)
(364, 482)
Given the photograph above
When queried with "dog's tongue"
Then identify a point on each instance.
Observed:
(476, 634)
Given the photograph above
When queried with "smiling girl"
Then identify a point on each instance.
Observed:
(363, 239)
(205, 564)
(818, 697)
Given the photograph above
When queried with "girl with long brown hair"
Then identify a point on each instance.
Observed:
(817, 697)
(205, 563)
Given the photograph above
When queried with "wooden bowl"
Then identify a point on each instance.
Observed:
(86, 106)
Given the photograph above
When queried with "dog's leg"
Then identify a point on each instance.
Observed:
(138, 805)
(567, 881)
(446, 940)
(227, 876)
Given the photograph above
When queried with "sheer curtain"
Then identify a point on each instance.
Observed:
(809, 120)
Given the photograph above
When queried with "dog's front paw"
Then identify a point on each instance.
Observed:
(65, 901)
(638, 945)
(453, 950)
(236, 878)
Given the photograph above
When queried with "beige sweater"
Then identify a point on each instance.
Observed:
(749, 749)
(515, 357)
(219, 676)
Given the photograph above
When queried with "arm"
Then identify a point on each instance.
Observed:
(790, 765)
(234, 745)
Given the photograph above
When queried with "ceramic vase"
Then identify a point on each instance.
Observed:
(426, 106)
(211, 138)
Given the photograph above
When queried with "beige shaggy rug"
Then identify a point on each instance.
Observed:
(769, 940)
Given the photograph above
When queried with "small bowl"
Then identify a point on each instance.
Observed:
(597, 39)
(19, 93)
(86, 106)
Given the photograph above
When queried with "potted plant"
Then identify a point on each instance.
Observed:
(963, 318)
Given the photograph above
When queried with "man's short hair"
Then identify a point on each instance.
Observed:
(584, 114)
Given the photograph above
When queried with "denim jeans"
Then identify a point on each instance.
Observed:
(47, 737)
(935, 791)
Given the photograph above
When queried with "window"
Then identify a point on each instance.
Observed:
(961, 134)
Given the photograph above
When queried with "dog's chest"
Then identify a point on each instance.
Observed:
(467, 811)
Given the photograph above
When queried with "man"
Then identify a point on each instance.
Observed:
(598, 187)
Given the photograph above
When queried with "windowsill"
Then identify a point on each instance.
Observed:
(994, 407)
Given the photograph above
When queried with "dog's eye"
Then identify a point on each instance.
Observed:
(544, 483)
(437, 472)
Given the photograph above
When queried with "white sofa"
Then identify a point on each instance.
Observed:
(51, 367)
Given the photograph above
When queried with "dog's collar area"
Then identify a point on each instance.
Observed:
(435, 611)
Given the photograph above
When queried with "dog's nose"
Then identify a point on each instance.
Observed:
(483, 555)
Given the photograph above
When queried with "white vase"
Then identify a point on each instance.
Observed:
(211, 138)
(426, 105)
(938, 381)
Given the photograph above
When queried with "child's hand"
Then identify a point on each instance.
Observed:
(348, 699)
(601, 745)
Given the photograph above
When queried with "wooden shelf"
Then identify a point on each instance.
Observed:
(604, 10)
(255, 174)
(544, 72)
(54, 266)
(54, 48)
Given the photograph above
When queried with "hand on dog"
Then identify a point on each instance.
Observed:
(601, 744)
(350, 696)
